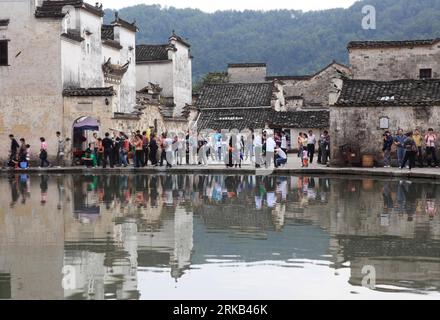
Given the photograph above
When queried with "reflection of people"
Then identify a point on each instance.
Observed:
(44, 187)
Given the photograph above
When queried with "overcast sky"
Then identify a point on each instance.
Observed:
(211, 6)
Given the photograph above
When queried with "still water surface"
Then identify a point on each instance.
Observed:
(217, 237)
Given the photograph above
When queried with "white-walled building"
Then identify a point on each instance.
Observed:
(169, 66)
(60, 63)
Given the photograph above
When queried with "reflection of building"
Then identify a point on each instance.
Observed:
(31, 239)
(169, 223)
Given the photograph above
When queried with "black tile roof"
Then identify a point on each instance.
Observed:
(390, 93)
(146, 53)
(235, 95)
(385, 44)
(233, 119)
(300, 119)
(89, 92)
(107, 32)
(246, 65)
(258, 118)
(125, 24)
(73, 35)
(180, 39)
(307, 77)
(4, 22)
(53, 9)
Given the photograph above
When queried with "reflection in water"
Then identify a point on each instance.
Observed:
(214, 236)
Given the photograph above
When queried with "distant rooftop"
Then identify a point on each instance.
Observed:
(54, 9)
(390, 93)
(387, 44)
(246, 65)
(152, 52)
(235, 95)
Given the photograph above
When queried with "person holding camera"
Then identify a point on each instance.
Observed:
(387, 144)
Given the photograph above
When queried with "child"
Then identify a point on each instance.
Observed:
(305, 158)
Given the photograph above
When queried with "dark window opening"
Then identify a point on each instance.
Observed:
(425, 73)
(3, 53)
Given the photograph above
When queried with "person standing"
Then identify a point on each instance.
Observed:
(311, 145)
(14, 148)
(325, 147)
(138, 145)
(68, 152)
(270, 150)
(399, 141)
(22, 152)
(61, 150)
(153, 150)
(258, 142)
(430, 142)
(43, 153)
(124, 148)
(168, 150)
(284, 142)
(100, 152)
(410, 151)
(299, 144)
(418, 139)
(94, 144)
(387, 144)
(145, 142)
(108, 145)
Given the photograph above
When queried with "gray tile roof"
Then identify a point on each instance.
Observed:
(53, 9)
(385, 44)
(146, 53)
(125, 24)
(390, 93)
(89, 92)
(300, 119)
(73, 35)
(258, 118)
(107, 32)
(233, 119)
(246, 65)
(235, 95)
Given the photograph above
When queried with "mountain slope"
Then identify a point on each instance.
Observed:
(291, 42)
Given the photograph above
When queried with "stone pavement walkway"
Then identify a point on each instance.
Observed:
(292, 167)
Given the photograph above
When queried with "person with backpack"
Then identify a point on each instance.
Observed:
(410, 151)
(22, 154)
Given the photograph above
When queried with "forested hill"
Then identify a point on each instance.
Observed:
(291, 42)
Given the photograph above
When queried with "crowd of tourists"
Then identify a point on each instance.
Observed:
(307, 142)
(264, 148)
(20, 152)
(411, 147)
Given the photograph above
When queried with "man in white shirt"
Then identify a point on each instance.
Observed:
(258, 145)
(281, 157)
(169, 151)
(311, 145)
(270, 149)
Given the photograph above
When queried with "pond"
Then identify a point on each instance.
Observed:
(218, 237)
